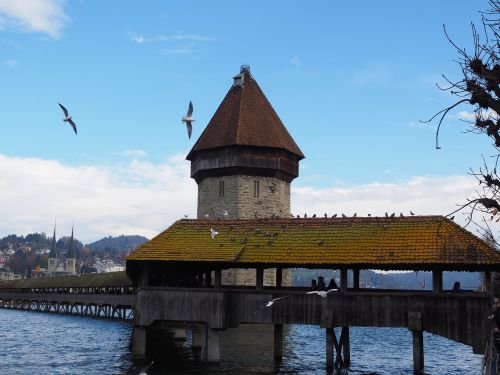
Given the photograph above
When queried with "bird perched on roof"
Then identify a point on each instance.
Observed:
(334, 216)
(188, 119)
(322, 293)
(355, 214)
(305, 216)
(343, 215)
(326, 215)
(401, 214)
(386, 214)
(67, 118)
(412, 214)
(213, 233)
(314, 215)
(226, 213)
(393, 214)
(369, 215)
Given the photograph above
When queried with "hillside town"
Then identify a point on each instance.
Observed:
(38, 255)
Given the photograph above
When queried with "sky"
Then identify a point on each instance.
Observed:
(351, 81)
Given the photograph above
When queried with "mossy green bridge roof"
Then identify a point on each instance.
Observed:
(110, 279)
(398, 243)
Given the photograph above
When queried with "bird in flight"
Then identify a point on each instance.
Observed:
(322, 293)
(67, 118)
(271, 302)
(213, 233)
(188, 119)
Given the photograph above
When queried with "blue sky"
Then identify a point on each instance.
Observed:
(350, 80)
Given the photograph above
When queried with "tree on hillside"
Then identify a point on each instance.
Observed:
(479, 88)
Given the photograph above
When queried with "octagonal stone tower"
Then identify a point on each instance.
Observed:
(245, 159)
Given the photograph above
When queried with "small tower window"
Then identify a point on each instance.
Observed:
(256, 189)
(221, 189)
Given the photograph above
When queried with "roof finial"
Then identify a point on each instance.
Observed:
(245, 69)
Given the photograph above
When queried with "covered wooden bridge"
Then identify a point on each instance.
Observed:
(179, 274)
(104, 295)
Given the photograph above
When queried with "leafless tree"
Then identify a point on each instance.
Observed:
(479, 88)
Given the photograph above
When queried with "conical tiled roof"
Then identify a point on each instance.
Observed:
(245, 118)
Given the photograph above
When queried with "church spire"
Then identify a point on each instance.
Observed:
(53, 250)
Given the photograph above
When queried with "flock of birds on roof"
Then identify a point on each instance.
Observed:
(345, 216)
(187, 119)
(214, 233)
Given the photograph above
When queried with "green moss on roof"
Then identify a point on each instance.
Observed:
(110, 279)
(374, 242)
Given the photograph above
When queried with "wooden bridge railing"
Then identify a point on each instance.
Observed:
(462, 317)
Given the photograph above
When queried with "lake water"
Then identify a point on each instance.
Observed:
(42, 343)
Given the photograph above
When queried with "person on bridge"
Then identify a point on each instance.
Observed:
(321, 283)
(332, 284)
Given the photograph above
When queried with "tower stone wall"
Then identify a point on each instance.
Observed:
(52, 265)
(243, 197)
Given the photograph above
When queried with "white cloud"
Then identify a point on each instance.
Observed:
(296, 62)
(135, 153)
(133, 198)
(376, 73)
(422, 195)
(179, 51)
(140, 197)
(45, 16)
(468, 116)
(11, 63)
(140, 39)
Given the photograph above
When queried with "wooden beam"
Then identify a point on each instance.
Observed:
(278, 342)
(343, 280)
(437, 281)
(279, 277)
(259, 278)
(330, 334)
(346, 346)
(418, 352)
(355, 279)
(218, 278)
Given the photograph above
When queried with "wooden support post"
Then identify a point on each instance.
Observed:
(279, 277)
(208, 279)
(437, 281)
(355, 279)
(343, 280)
(218, 278)
(278, 342)
(139, 342)
(144, 276)
(259, 278)
(418, 352)
(329, 349)
(344, 342)
(487, 281)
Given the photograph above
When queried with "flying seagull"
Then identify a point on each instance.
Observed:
(271, 302)
(213, 233)
(188, 119)
(67, 118)
(322, 293)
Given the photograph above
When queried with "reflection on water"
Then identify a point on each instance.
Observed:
(41, 343)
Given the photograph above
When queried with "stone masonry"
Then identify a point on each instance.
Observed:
(243, 197)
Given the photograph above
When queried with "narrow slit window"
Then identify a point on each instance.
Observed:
(221, 189)
(256, 189)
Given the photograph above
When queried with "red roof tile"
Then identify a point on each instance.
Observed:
(245, 118)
